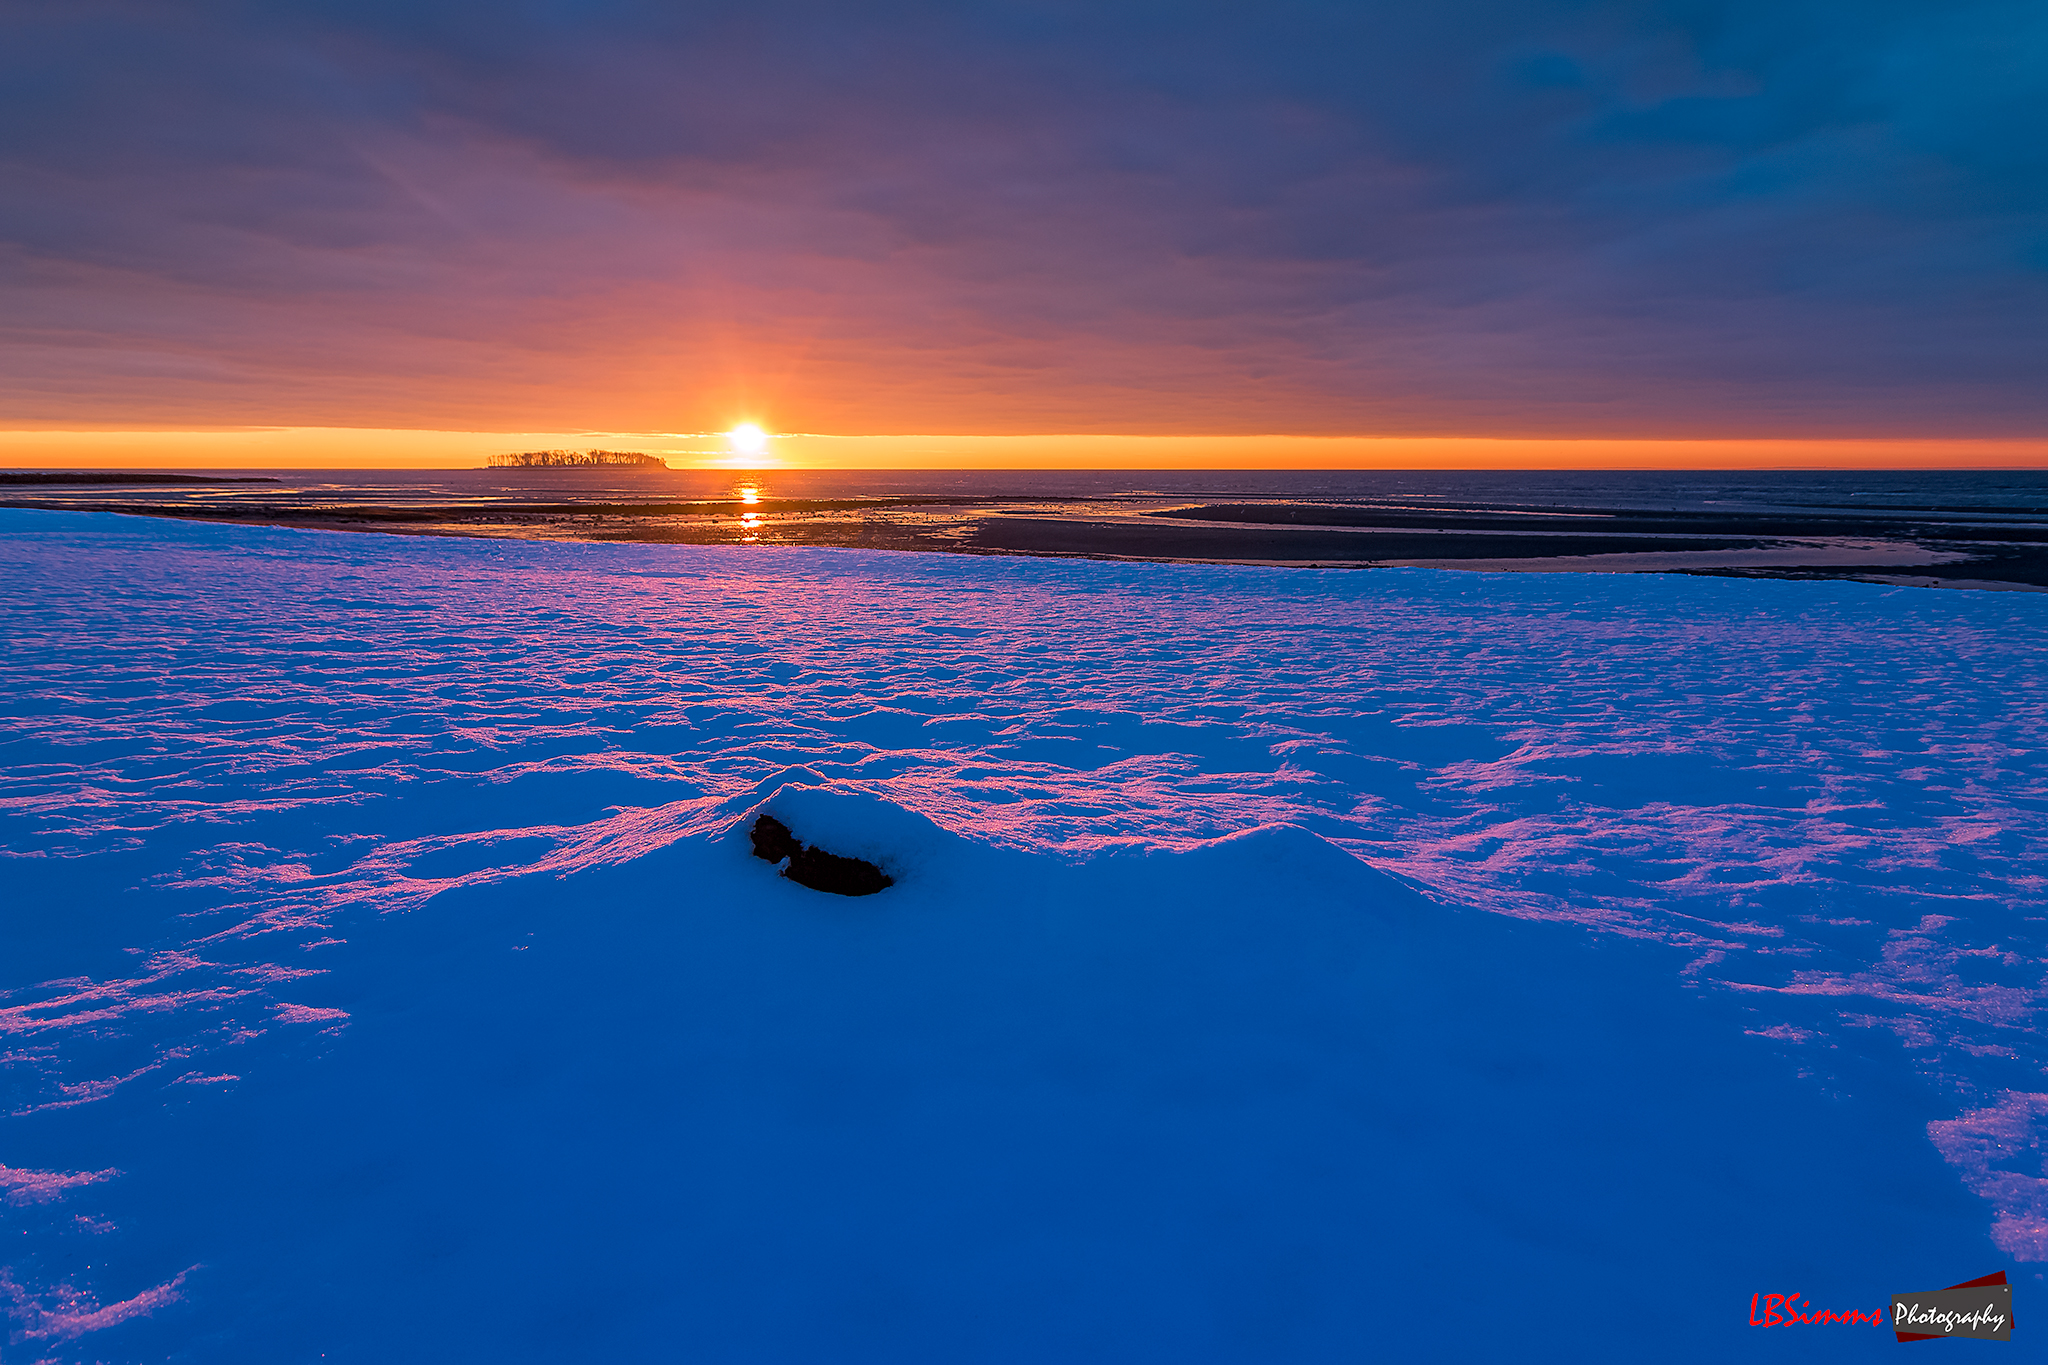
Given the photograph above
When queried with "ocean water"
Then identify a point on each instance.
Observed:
(386, 975)
(2014, 492)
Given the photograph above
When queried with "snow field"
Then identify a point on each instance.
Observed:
(389, 976)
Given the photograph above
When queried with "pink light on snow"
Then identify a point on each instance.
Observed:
(2005, 1132)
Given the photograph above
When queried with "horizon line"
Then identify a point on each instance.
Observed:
(282, 447)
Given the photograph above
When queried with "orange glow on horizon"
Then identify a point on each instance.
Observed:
(355, 448)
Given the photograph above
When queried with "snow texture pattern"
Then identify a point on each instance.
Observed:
(231, 753)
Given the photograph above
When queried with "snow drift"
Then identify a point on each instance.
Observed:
(392, 977)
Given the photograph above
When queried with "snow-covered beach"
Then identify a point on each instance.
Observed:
(1282, 964)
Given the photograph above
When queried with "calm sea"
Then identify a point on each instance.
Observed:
(2023, 492)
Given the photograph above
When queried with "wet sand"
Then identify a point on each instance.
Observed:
(1933, 546)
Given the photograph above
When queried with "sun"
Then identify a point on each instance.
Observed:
(747, 439)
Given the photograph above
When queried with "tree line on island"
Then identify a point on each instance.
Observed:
(573, 459)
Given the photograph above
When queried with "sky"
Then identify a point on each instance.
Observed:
(1659, 227)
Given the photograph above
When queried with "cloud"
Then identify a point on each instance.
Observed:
(1600, 219)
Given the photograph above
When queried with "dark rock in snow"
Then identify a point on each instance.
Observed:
(814, 867)
(773, 841)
